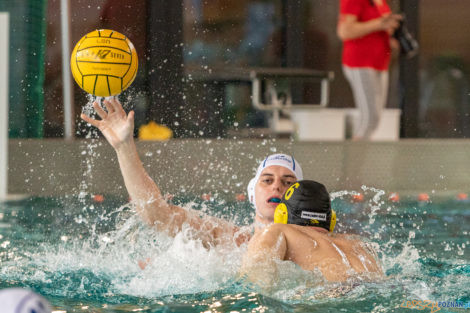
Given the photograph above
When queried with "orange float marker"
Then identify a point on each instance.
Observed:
(423, 197)
(394, 197)
(462, 196)
(240, 197)
(98, 198)
(358, 198)
(206, 197)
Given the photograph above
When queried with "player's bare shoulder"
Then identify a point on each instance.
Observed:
(347, 239)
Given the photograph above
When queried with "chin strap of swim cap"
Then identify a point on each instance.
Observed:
(280, 159)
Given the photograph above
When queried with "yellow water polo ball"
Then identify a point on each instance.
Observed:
(104, 63)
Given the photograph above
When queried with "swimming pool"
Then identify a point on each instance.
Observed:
(82, 256)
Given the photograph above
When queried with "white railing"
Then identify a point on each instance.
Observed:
(67, 86)
(4, 44)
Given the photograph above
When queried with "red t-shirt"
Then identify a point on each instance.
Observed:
(372, 50)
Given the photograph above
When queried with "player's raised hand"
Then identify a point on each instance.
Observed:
(116, 126)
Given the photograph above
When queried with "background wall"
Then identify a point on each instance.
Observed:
(195, 166)
(444, 26)
(250, 33)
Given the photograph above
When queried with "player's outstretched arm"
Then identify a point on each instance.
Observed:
(118, 127)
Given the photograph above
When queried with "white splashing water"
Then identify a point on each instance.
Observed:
(176, 265)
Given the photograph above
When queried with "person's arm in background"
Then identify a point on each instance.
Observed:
(118, 127)
(350, 28)
(394, 46)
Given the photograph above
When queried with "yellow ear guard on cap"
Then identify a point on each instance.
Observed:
(280, 214)
(306, 203)
(333, 220)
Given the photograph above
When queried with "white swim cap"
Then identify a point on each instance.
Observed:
(280, 159)
(17, 300)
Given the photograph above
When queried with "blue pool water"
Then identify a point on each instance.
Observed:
(83, 257)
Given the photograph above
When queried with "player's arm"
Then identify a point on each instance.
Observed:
(118, 127)
(259, 263)
(350, 28)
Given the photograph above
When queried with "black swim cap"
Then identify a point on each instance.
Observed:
(306, 203)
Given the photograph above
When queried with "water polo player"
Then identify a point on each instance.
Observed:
(302, 233)
(280, 167)
(306, 203)
(274, 176)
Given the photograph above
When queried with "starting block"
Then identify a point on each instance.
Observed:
(322, 124)
(388, 128)
(272, 91)
(277, 84)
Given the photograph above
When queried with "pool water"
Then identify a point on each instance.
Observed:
(83, 257)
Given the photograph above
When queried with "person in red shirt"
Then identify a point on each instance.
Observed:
(365, 27)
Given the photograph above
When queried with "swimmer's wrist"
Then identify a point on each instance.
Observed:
(125, 147)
